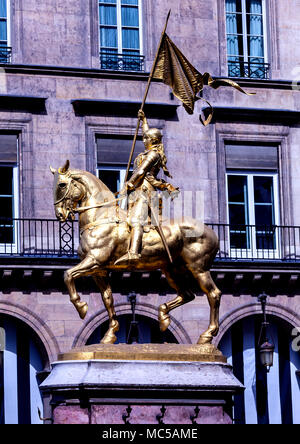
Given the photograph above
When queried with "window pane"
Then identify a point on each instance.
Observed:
(263, 189)
(109, 37)
(266, 239)
(6, 235)
(108, 15)
(235, 47)
(237, 189)
(256, 47)
(131, 38)
(237, 214)
(130, 16)
(6, 180)
(254, 6)
(264, 215)
(130, 2)
(255, 24)
(234, 24)
(238, 239)
(233, 6)
(6, 207)
(3, 30)
(108, 1)
(110, 178)
(3, 11)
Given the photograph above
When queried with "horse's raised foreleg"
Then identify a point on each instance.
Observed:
(87, 267)
(107, 297)
(183, 297)
(214, 296)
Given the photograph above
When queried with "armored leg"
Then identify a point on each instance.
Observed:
(135, 244)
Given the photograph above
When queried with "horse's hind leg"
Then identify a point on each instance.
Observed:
(175, 280)
(207, 285)
(107, 297)
(86, 267)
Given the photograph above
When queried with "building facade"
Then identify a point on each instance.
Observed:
(72, 78)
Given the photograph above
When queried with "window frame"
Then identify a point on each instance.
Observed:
(245, 56)
(120, 49)
(253, 251)
(13, 247)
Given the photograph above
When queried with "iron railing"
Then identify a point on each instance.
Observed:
(121, 62)
(38, 238)
(51, 238)
(258, 242)
(256, 70)
(5, 54)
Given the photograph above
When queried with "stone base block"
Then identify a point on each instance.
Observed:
(118, 391)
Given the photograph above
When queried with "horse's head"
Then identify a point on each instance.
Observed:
(67, 192)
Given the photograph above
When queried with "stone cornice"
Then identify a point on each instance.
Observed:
(253, 115)
(125, 75)
(32, 104)
(122, 108)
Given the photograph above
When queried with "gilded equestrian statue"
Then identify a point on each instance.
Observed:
(110, 240)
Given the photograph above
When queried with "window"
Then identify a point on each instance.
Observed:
(252, 196)
(246, 38)
(5, 49)
(112, 159)
(121, 35)
(8, 191)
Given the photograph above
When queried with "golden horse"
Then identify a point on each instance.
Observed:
(105, 238)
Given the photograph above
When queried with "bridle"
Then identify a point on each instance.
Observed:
(83, 209)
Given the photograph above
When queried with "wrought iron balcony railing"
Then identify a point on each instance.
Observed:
(5, 54)
(238, 243)
(38, 238)
(258, 243)
(256, 70)
(121, 62)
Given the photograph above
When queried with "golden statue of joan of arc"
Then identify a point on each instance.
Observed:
(144, 182)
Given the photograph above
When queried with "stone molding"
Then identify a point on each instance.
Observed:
(46, 336)
(233, 316)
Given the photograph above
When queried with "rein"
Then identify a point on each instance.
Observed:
(83, 209)
(101, 205)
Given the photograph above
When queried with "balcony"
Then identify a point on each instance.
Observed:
(258, 243)
(5, 54)
(38, 238)
(121, 62)
(251, 69)
(49, 238)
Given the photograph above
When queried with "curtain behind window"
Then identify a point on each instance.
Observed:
(256, 43)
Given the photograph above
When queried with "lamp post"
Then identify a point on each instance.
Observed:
(133, 334)
(266, 348)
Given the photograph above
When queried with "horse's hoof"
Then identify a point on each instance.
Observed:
(205, 339)
(82, 308)
(109, 338)
(163, 318)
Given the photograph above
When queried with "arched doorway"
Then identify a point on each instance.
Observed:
(148, 331)
(269, 398)
(22, 356)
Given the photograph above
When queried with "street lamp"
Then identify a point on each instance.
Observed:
(266, 348)
(133, 334)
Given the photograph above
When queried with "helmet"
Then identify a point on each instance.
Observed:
(155, 135)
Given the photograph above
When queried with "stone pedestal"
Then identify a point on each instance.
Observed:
(142, 384)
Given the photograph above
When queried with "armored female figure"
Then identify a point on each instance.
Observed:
(144, 182)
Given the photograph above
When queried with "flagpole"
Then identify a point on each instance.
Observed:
(145, 96)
